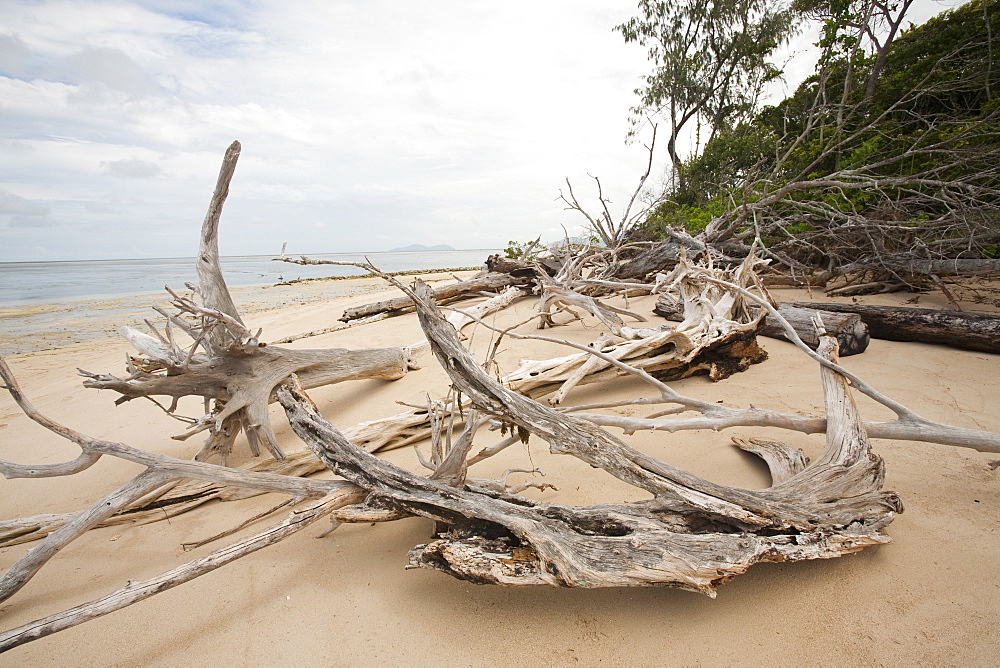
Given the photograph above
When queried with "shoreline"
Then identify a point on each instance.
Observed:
(28, 284)
(46, 326)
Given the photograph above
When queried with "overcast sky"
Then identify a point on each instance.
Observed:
(365, 125)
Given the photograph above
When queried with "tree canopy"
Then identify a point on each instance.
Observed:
(902, 168)
(710, 60)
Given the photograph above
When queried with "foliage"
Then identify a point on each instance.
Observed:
(710, 60)
(528, 250)
(915, 158)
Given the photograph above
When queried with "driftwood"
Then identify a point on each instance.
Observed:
(690, 533)
(648, 261)
(522, 268)
(556, 296)
(225, 363)
(490, 282)
(717, 336)
(848, 328)
(967, 331)
(174, 498)
(459, 318)
(911, 268)
(694, 534)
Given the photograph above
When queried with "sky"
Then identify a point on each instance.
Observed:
(365, 125)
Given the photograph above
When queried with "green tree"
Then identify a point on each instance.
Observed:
(710, 60)
(854, 29)
(833, 176)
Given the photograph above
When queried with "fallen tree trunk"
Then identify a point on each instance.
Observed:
(694, 534)
(967, 331)
(490, 282)
(848, 328)
(906, 265)
(959, 266)
(662, 256)
(658, 258)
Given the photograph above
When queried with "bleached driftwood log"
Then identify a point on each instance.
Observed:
(459, 318)
(557, 296)
(691, 533)
(177, 497)
(490, 282)
(227, 364)
(848, 328)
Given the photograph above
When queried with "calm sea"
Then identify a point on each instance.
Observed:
(23, 283)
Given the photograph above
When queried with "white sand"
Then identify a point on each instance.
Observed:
(932, 596)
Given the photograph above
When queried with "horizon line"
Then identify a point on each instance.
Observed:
(273, 256)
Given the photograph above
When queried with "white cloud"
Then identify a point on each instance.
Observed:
(365, 125)
(131, 168)
(32, 222)
(14, 204)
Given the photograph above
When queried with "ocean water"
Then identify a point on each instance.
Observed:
(28, 283)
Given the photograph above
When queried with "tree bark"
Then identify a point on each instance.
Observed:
(490, 282)
(661, 257)
(694, 534)
(848, 328)
(224, 361)
(966, 331)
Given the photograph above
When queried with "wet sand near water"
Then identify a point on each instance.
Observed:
(34, 328)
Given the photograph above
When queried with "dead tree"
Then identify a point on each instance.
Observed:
(690, 533)
(224, 362)
(848, 328)
(612, 233)
(967, 331)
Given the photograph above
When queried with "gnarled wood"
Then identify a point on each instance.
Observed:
(561, 297)
(691, 533)
(226, 363)
(493, 540)
(490, 282)
(850, 331)
(717, 336)
(782, 461)
(211, 284)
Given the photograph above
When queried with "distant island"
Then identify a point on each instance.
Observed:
(421, 247)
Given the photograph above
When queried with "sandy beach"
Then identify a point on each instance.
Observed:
(932, 596)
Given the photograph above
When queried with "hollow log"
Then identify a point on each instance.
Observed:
(966, 331)
(490, 282)
(849, 330)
